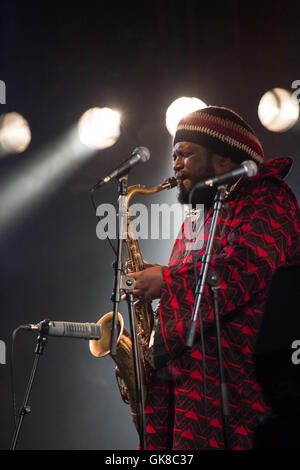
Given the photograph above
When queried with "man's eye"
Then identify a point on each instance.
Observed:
(184, 156)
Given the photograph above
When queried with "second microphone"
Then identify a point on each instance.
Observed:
(139, 155)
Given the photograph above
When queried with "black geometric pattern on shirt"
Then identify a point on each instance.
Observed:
(260, 232)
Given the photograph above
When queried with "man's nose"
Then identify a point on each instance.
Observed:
(178, 163)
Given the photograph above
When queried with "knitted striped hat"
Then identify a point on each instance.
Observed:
(222, 131)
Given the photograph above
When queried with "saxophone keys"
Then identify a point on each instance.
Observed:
(122, 386)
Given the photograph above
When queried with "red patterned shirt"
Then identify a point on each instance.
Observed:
(258, 232)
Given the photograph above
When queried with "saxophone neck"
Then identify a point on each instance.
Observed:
(169, 183)
(135, 260)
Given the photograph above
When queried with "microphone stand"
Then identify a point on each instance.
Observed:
(211, 278)
(25, 409)
(126, 283)
(118, 265)
(138, 372)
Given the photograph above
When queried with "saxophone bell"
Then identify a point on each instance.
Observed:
(101, 347)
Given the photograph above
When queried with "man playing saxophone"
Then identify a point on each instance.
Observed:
(257, 232)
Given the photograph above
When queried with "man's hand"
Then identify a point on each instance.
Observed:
(148, 283)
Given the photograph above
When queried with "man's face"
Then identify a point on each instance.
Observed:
(193, 163)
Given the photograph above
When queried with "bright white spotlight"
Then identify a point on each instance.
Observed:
(180, 108)
(99, 128)
(15, 135)
(278, 110)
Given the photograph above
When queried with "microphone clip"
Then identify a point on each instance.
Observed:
(42, 337)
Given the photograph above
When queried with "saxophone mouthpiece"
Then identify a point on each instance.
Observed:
(170, 183)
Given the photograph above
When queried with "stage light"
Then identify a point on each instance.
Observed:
(180, 108)
(15, 135)
(278, 110)
(99, 128)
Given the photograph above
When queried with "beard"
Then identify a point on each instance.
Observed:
(200, 196)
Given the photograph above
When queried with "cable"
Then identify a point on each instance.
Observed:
(202, 339)
(13, 337)
(203, 352)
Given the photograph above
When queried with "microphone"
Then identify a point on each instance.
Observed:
(139, 155)
(248, 168)
(67, 329)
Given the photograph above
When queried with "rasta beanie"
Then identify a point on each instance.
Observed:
(221, 130)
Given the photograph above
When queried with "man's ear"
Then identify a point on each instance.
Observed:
(223, 164)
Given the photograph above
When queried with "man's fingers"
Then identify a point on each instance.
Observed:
(147, 265)
(136, 294)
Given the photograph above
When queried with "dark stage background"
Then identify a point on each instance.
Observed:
(58, 59)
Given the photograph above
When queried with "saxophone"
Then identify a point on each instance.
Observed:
(124, 370)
